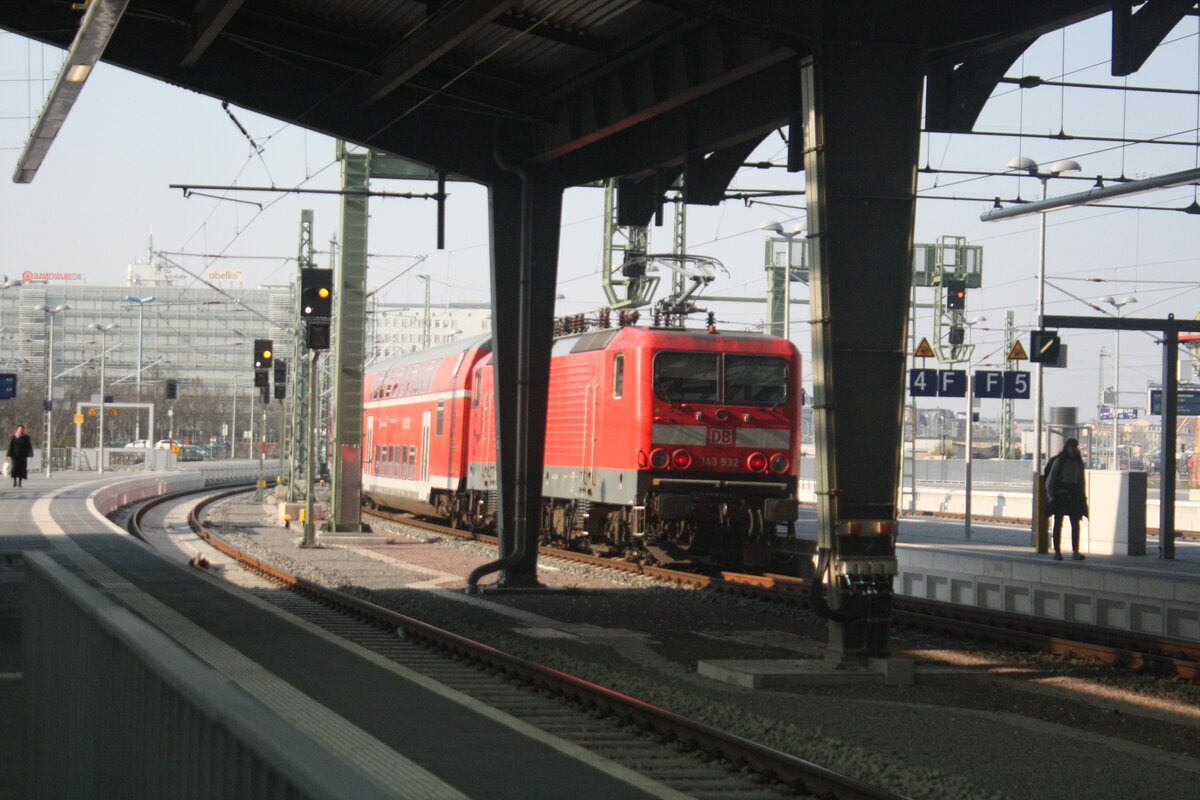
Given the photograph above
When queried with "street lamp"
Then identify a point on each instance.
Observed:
(1030, 166)
(48, 442)
(1116, 406)
(104, 329)
(797, 230)
(141, 307)
(970, 429)
(425, 325)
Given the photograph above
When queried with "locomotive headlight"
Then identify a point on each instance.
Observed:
(659, 459)
(779, 463)
(681, 459)
(756, 462)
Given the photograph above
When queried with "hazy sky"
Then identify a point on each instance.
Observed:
(102, 197)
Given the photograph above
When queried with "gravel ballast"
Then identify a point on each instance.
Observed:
(977, 724)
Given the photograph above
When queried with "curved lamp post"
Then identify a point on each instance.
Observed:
(1117, 305)
(48, 442)
(104, 329)
(1028, 165)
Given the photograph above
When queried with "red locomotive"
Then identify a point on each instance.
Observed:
(665, 444)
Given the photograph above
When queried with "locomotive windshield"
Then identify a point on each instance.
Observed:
(756, 380)
(686, 377)
(715, 378)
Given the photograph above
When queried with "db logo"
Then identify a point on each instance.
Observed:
(720, 436)
(27, 275)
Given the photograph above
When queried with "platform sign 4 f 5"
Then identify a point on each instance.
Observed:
(1006, 385)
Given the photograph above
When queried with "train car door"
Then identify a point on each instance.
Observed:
(426, 417)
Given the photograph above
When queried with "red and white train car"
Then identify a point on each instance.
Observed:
(661, 443)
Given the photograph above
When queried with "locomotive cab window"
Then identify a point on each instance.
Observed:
(716, 378)
(618, 376)
(756, 380)
(686, 377)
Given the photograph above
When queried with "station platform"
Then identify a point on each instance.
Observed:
(996, 566)
(326, 715)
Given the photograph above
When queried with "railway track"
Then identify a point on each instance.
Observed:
(1158, 655)
(693, 758)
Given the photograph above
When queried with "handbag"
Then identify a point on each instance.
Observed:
(7, 467)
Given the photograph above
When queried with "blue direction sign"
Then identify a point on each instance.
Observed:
(1187, 402)
(1106, 413)
(1016, 384)
(989, 383)
(8, 385)
(952, 383)
(922, 382)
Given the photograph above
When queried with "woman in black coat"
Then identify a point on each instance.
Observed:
(20, 450)
(1065, 489)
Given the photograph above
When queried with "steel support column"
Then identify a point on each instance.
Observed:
(350, 318)
(525, 218)
(862, 107)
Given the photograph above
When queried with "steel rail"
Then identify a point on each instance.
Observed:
(796, 772)
(1125, 649)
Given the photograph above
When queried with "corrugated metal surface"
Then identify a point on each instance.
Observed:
(570, 415)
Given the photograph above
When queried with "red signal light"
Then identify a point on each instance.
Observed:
(756, 462)
(681, 459)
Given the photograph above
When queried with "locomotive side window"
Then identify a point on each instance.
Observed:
(686, 377)
(756, 380)
(618, 376)
(475, 388)
(441, 413)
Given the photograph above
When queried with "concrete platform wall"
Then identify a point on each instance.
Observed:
(118, 709)
(1127, 599)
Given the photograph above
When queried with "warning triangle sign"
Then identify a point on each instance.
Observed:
(1017, 352)
(923, 349)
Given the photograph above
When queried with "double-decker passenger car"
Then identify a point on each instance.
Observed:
(665, 444)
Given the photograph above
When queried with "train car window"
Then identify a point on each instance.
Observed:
(430, 371)
(441, 413)
(475, 388)
(412, 462)
(686, 377)
(618, 377)
(756, 380)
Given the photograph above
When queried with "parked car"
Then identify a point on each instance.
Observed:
(142, 443)
(191, 452)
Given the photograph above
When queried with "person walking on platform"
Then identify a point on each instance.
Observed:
(1065, 489)
(20, 450)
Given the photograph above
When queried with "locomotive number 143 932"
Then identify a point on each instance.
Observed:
(719, 462)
